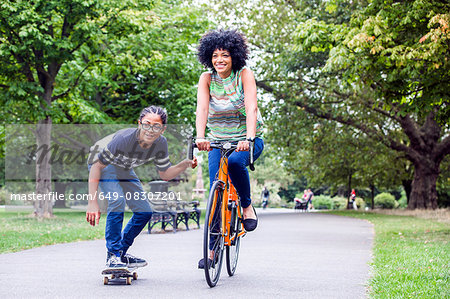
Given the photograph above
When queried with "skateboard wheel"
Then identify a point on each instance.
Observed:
(128, 280)
(135, 276)
(105, 280)
(113, 276)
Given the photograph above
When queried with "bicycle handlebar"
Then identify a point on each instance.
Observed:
(225, 145)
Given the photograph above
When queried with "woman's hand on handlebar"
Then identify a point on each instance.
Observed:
(243, 145)
(203, 144)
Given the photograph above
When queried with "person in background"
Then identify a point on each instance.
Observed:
(309, 198)
(265, 194)
(353, 199)
(305, 195)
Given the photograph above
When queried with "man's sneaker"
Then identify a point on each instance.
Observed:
(132, 261)
(114, 262)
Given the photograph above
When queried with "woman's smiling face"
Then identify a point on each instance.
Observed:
(221, 60)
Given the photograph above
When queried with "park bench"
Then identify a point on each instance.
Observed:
(163, 214)
(185, 211)
(190, 211)
(170, 210)
(301, 205)
(173, 213)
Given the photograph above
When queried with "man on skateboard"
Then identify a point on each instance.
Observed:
(111, 164)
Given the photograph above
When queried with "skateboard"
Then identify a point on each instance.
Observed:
(116, 275)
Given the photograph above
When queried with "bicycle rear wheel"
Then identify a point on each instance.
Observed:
(213, 239)
(232, 251)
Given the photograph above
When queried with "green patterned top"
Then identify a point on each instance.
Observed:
(226, 117)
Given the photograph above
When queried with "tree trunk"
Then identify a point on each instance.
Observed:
(426, 152)
(349, 189)
(372, 193)
(407, 186)
(424, 193)
(60, 188)
(43, 205)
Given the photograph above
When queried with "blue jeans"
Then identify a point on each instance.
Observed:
(122, 186)
(237, 169)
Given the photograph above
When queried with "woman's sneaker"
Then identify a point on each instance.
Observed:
(114, 262)
(132, 261)
(201, 263)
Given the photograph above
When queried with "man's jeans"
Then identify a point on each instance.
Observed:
(237, 168)
(122, 186)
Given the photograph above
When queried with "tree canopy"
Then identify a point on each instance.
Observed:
(353, 90)
(378, 68)
(108, 59)
(90, 61)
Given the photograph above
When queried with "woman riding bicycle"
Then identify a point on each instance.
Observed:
(227, 105)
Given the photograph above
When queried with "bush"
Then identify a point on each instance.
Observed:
(402, 202)
(360, 203)
(2, 196)
(385, 201)
(339, 203)
(368, 202)
(322, 202)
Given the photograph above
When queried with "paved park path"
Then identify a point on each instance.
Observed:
(290, 255)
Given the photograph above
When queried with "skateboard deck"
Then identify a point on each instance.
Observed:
(117, 275)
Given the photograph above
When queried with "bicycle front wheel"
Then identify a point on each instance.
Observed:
(213, 241)
(232, 251)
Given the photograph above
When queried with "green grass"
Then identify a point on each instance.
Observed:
(20, 231)
(411, 256)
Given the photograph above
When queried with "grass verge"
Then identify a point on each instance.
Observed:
(21, 231)
(411, 256)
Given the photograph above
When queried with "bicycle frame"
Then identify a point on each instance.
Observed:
(229, 228)
(229, 197)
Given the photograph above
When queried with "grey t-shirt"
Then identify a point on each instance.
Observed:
(122, 149)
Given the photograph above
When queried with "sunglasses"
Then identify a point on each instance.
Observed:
(155, 128)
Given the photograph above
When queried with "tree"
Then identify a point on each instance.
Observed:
(158, 65)
(37, 39)
(271, 173)
(332, 155)
(383, 52)
(107, 60)
(378, 67)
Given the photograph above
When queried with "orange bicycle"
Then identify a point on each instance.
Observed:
(223, 227)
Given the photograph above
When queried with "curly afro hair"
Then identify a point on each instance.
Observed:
(230, 40)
